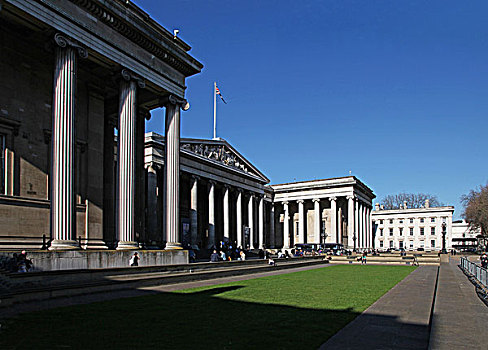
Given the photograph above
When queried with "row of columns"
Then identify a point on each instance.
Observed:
(358, 222)
(62, 196)
(226, 215)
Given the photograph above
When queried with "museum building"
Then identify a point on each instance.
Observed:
(79, 79)
(75, 74)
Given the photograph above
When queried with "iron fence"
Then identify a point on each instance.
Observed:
(475, 270)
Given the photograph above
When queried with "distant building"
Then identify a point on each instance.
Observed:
(412, 228)
(463, 237)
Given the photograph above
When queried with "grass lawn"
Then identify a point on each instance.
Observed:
(292, 311)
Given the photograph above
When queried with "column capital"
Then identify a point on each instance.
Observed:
(300, 201)
(65, 41)
(285, 202)
(351, 197)
(128, 75)
(315, 200)
(195, 177)
(174, 100)
(332, 199)
(212, 182)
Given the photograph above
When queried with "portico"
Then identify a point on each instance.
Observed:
(324, 211)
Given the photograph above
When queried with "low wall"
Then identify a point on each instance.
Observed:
(99, 259)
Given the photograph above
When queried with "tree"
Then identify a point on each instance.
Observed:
(476, 210)
(413, 200)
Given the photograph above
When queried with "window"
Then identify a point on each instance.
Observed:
(401, 244)
(411, 221)
(411, 244)
(381, 222)
(401, 231)
(391, 244)
(422, 245)
(432, 243)
(381, 232)
(422, 231)
(401, 221)
(432, 219)
(411, 231)
(432, 231)
(391, 232)
(391, 221)
(422, 220)
(381, 244)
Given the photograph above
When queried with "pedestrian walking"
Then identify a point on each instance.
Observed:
(134, 260)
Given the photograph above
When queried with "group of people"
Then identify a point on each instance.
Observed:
(227, 252)
(19, 263)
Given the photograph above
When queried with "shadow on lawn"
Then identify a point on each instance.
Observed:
(199, 320)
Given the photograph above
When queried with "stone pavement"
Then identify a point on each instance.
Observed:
(398, 320)
(460, 319)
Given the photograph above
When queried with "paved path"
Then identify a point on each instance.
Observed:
(398, 320)
(460, 318)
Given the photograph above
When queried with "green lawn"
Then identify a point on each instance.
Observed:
(293, 311)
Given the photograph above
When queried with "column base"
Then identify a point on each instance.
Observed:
(173, 246)
(127, 245)
(58, 244)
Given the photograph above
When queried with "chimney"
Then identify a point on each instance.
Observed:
(405, 206)
(382, 207)
(427, 203)
(377, 206)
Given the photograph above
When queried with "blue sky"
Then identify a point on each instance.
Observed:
(393, 91)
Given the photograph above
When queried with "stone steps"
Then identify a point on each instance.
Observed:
(50, 288)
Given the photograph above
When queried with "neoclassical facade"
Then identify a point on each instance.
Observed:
(336, 210)
(75, 74)
(412, 228)
(223, 197)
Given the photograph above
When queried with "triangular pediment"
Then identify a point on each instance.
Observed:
(221, 152)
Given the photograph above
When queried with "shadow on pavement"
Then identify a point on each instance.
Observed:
(206, 319)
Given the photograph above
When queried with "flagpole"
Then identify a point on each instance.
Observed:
(215, 110)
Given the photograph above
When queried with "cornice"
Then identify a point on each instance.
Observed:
(152, 40)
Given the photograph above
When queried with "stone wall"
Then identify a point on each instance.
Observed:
(85, 259)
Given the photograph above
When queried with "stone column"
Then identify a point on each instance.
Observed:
(272, 235)
(301, 222)
(368, 228)
(194, 211)
(261, 222)
(251, 221)
(127, 156)
(316, 220)
(356, 223)
(286, 227)
(350, 221)
(226, 214)
(63, 144)
(153, 227)
(239, 217)
(363, 226)
(333, 219)
(173, 105)
(211, 215)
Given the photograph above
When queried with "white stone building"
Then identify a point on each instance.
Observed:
(463, 237)
(412, 228)
(336, 210)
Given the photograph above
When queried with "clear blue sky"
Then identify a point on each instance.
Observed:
(393, 91)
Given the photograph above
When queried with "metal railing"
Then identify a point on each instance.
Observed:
(478, 272)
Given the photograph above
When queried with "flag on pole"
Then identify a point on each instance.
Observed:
(217, 91)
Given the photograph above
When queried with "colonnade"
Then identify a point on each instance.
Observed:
(255, 223)
(62, 189)
(359, 233)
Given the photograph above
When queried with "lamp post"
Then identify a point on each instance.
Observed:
(444, 251)
(354, 239)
